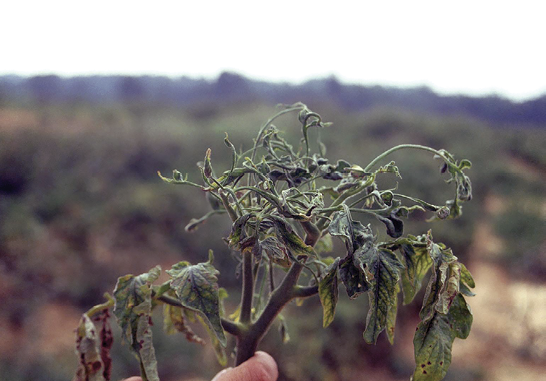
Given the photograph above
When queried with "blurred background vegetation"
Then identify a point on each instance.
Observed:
(81, 204)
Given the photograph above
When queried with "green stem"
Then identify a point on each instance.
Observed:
(248, 342)
(248, 289)
(403, 146)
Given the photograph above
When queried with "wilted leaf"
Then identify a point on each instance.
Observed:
(238, 233)
(395, 226)
(352, 277)
(93, 343)
(390, 168)
(382, 269)
(443, 284)
(174, 321)
(133, 309)
(352, 232)
(290, 239)
(197, 288)
(275, 251)
(328, 293)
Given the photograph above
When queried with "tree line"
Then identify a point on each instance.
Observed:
(231, 87)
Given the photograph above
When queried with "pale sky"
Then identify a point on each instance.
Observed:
(471, 47)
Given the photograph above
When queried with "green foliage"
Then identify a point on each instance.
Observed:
(284, 201)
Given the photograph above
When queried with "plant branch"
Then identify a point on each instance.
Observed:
(231, 327)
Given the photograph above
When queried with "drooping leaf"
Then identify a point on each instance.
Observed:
(238, 232)
(352, 277)
(443, 284)
(133, 308)
(328, 293)
(418, 262)
(382, 269)
(434, 339)
(174, 321)
(451, 287)
(352, 232)
(276, 251)
(395, 226)
(461, 317)
(290, 239)
(196, 287)
(93, 343)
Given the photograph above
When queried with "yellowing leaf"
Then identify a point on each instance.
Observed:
(328, 293)
(418, 262)
(197, 288)
(174, 321)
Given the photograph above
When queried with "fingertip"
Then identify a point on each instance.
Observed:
(221, 374)
(268, 364)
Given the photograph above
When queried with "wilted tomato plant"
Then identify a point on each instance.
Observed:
(285, 204)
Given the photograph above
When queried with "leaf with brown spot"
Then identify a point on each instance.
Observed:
(434, 339)
(93, 344)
